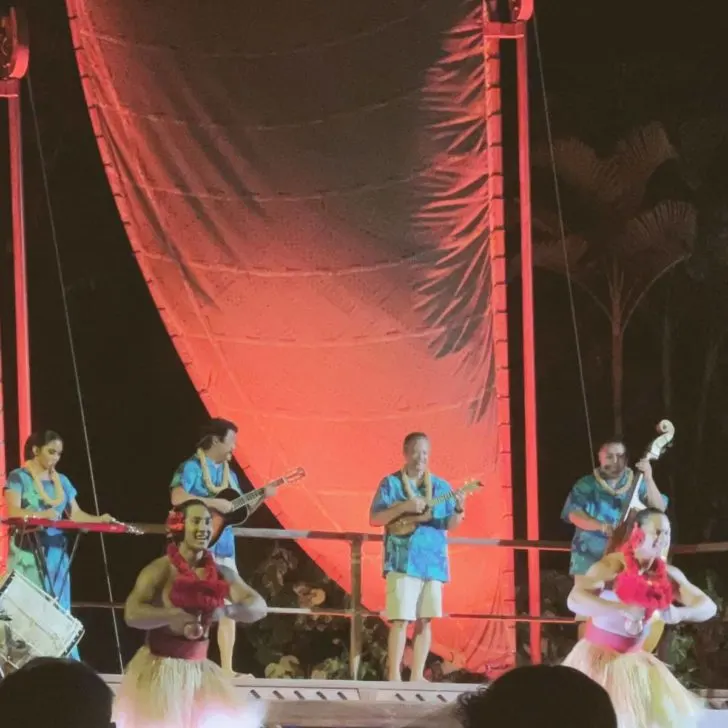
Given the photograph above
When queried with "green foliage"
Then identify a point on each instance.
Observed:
(308, 646)
(698, 653)
(317, 646)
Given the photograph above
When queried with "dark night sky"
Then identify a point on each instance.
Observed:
(607, 69)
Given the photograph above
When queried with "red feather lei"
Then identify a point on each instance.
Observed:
(194, 593)
(652, 589)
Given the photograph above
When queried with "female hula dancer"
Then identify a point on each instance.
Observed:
(170, 683)
(38, 489)
(621, 594)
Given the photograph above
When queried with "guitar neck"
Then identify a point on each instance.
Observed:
(255, 496)
(446, 497)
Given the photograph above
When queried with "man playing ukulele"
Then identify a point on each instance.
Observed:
(415, 565)
(201, 478)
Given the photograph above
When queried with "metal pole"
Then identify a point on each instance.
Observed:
(529, 345)
(3, 476)
(493, 33)
(21, 287)
(357, 621)
(14, 57)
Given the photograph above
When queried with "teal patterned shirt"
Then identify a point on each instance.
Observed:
(424, 552)
(590, 497)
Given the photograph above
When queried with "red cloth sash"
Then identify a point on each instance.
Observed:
(162, 643)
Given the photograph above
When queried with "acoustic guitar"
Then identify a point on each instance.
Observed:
(406, 524)
(241, 504)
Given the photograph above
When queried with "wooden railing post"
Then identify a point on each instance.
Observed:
(357, 621)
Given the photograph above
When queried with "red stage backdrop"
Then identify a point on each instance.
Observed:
(305, 186)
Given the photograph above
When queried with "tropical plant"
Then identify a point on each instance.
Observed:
(615, 239)
(317, 646)
(703, 145)
(311, 646)
(698, 654)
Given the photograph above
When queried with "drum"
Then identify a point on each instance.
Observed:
(33, 624)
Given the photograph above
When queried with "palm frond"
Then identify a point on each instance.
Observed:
(579, 166)
(549, 254)
(667, 231)
(653, 243)
(455, 283)
(636, 159)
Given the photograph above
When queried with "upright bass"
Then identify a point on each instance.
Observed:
(633, 504)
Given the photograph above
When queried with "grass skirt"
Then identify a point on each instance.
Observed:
(644, 692)
(169, 692)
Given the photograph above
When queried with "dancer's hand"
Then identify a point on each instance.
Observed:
(672, 615)
(179, 619)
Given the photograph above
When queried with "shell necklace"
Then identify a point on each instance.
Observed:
(615, 491)
(410, 490)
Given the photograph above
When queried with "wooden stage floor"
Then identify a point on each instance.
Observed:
(357, 704)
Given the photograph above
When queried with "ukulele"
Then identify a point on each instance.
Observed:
(633, 504)
(240, 504)
(406, 524)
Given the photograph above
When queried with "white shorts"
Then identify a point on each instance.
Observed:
(229, 563)
(410, 598)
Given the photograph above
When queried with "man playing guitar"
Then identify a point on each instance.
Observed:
(201, 477)
(415, 565)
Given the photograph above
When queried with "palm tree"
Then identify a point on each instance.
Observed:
(617, 239)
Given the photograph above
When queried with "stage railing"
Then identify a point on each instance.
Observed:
(357, 612)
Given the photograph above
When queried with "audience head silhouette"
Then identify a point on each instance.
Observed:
(539, 696)
(54, 692)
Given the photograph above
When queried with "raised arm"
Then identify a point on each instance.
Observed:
(649, 490)
(140, 611)
(584, 599)
(697, 606)
(247, 605)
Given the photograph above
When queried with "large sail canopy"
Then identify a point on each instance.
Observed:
(306, 188)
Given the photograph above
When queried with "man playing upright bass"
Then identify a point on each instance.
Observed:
(596, 502)
(415, 565)
(201, 477)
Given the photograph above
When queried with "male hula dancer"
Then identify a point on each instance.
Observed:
(201, 478)
(595, 504)
(415, 565)
(170, 683)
